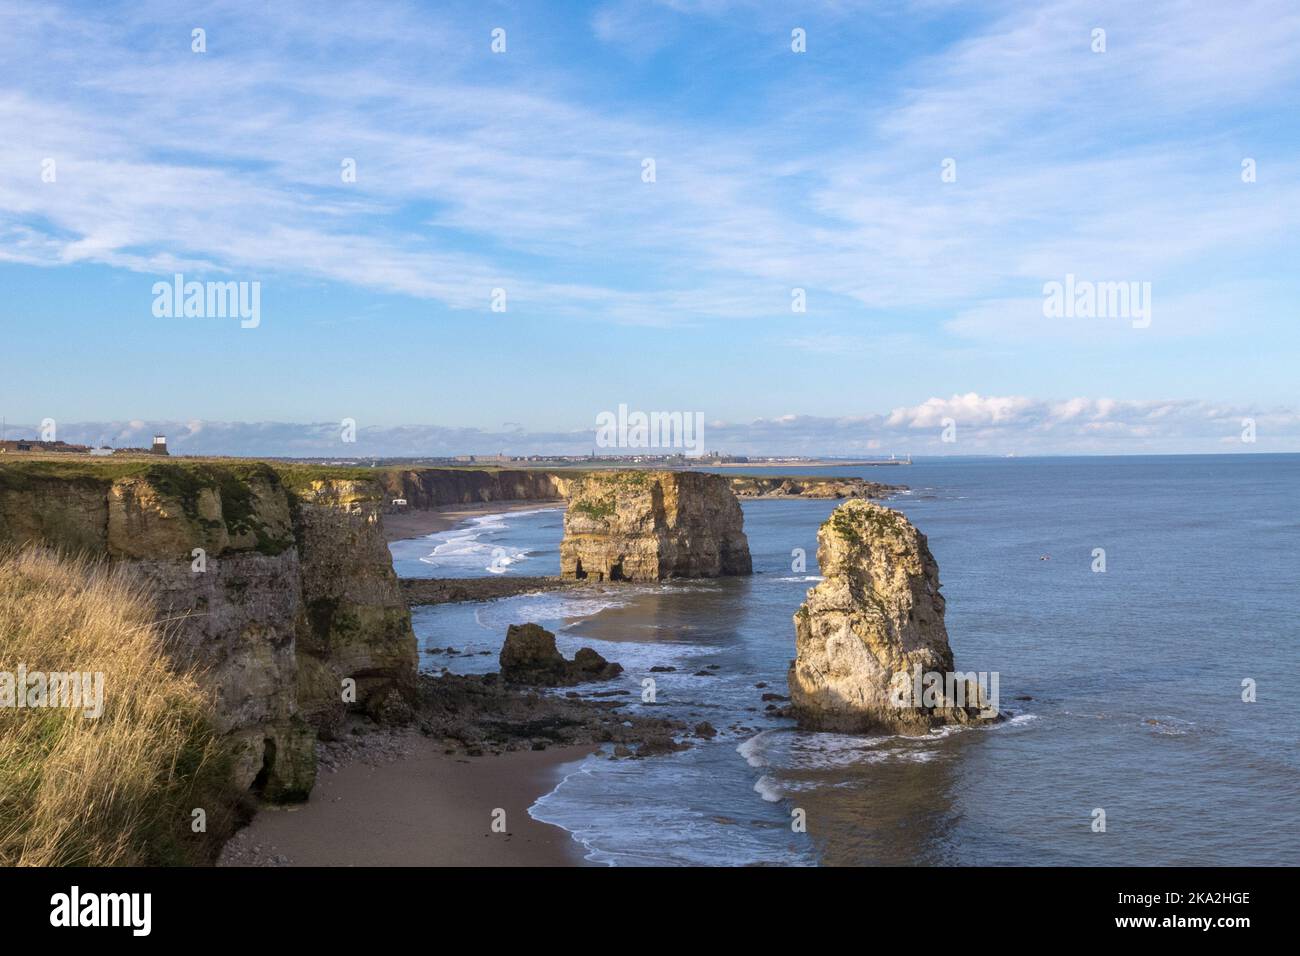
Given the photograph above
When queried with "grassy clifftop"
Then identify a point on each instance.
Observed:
(118, 787)
(172, 473)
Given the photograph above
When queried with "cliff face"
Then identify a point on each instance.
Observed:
(356, 623)
(293, 590)
(872, 628)
(433, 487)
(649, 526)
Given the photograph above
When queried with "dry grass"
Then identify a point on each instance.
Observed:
(118, 789)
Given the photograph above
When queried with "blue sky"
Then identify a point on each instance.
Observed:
(775, 170)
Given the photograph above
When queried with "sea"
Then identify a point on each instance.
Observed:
(1140, 613)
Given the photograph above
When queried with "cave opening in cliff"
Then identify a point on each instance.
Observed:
(578, 573)
(268, 766)
(616, 571)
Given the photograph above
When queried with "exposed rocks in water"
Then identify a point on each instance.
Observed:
(418, 591)
(786, 487)
(652, 526)
(705, 729)
(484, 714)
(871, 631)
(659, 744)
(529, 656)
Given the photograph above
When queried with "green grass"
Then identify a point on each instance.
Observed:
(849, 522)
(180, 480)
(601, 510)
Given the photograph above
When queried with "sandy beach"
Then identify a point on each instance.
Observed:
(425, 808)
(404, 801)
(417, 523)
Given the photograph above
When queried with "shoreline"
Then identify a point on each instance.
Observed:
(402, 525)
(406, 801)
(418, 806)
(400, 798)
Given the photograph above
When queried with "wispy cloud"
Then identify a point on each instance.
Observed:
(466, 183)
(774, 171)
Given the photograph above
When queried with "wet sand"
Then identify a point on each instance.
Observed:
(425, 809)
(417, 524)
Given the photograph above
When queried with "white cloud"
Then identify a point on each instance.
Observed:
(548, 190)
(985, 424)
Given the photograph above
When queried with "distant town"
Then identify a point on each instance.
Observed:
(34, 446)
(711, 459)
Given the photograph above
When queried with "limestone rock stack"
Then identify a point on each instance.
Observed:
(651, 526)
(872, 633)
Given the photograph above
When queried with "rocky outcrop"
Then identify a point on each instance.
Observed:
(481, 713)
(786, 487)
(871, 647)
(279, 586)
(356, 622)
(651, 526)
(529, 656)
(423, 591)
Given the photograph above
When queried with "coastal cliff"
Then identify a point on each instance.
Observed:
(651, 526)
(274, 579)
(424, 488)
(873, 630)
(355, 622)
(277, 590)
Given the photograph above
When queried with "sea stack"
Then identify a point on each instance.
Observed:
(529, 656)
(871, 648)
(651, 526)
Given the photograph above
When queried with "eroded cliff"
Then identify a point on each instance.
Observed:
(871, 646)
(651, 526)
(424, 488)
(279, 585)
